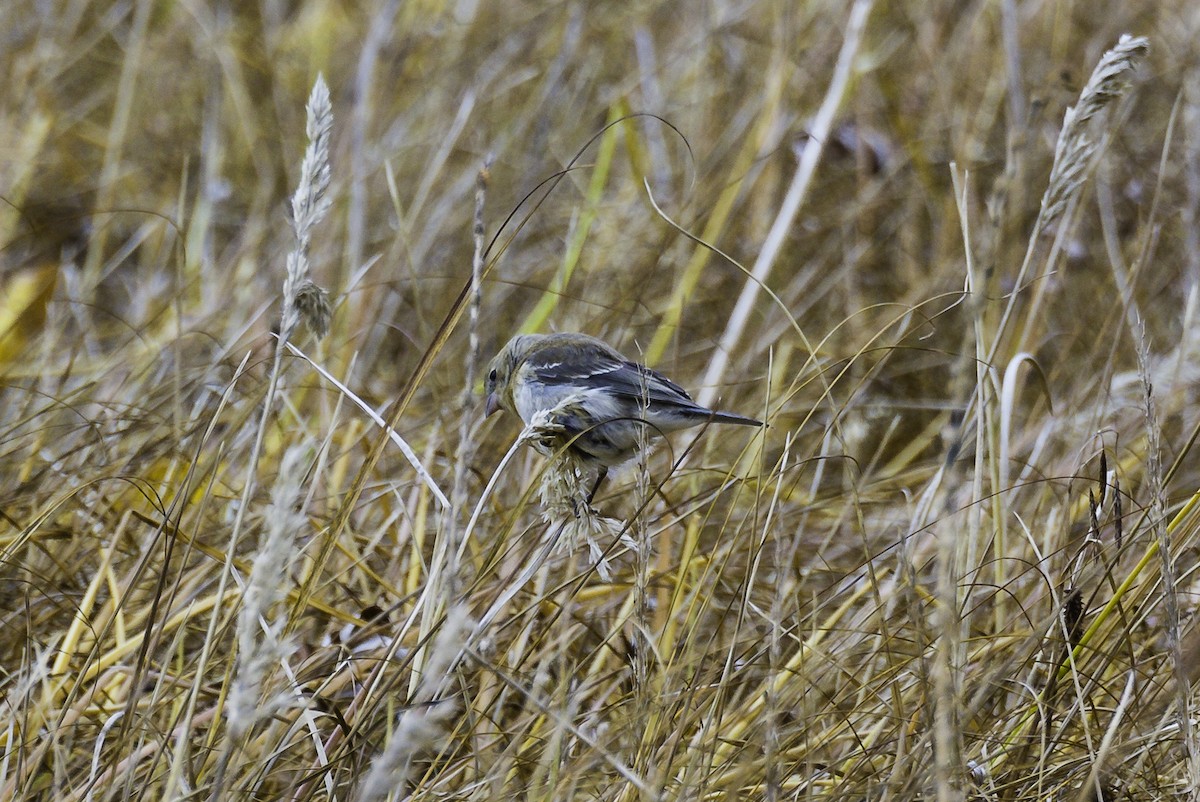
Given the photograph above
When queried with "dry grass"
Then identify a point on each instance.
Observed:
(959, 563)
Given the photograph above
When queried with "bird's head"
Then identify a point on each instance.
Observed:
(498, 383)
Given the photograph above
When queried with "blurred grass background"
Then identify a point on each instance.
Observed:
(899, 591)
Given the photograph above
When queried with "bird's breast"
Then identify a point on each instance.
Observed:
(532, 397)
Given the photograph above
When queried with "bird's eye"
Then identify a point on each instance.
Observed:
(492, 376)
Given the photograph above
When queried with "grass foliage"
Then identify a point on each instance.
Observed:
(948, 250)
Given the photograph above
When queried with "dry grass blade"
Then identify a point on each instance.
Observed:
(237, 566)
(810, 156)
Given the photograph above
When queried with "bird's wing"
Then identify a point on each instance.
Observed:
(601, 370)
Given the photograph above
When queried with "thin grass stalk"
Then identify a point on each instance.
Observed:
(1169, 586)
(118, 133)
(549, 299)
(810, 157)
(257, 650)
(391, 434)
(1190, 212)
(1092, 787)
(444, 580)
(644, 638)
(985, 431)
(740, 175)
(772, 706)
(375, 683)
(1073, 153)
(945, 669)
(301, 300)
(1151, 228)
(421, 724)
(378, 32)
(468, 414)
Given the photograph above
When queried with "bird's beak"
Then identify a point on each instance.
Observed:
(493, 404)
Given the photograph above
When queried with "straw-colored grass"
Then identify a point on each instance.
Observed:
(947, 250)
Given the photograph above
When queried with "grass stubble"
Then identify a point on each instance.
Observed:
(242, 560)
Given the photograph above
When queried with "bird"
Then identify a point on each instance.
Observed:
(598, 397)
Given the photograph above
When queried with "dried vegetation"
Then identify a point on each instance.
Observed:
(949, 250)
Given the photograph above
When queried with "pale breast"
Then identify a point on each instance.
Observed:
(531, 397)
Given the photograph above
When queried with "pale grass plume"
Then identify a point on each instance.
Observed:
(1074, 149)
(564, 487)
(302, 298)
(35, 673)
(563, 493)
(260, 646)
(309, 205)
(422, 725)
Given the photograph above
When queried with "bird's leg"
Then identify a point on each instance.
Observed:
(587, 502)
(599, 480)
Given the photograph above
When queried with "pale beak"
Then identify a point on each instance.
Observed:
(493, 404)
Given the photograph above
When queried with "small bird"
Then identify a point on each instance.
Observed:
(599, 397)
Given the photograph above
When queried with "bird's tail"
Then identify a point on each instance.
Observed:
(729, 417)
